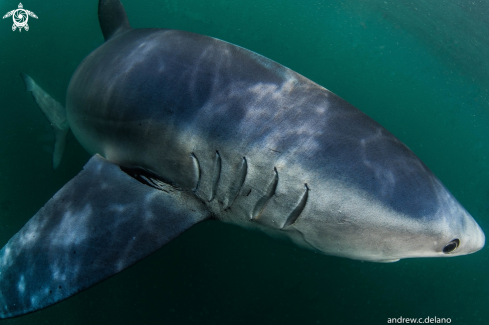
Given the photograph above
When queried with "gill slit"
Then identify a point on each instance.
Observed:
(242, 173)
(260, 205)
(294, 215)
(197, 171)
(216, 175)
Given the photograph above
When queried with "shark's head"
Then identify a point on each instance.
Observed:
(359, 224)
(372, 199)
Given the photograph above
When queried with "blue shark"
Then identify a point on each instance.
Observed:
(185, 128)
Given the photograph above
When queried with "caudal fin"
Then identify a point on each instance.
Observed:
(54, 112)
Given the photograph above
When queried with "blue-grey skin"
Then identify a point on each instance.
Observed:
(194, 109)
(240, 139)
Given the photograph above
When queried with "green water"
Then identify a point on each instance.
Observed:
(418, 67)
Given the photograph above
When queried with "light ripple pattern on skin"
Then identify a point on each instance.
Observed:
(185, 128)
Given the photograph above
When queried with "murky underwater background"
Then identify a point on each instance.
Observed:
(419, 67)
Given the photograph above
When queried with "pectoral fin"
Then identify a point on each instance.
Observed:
(98, 224)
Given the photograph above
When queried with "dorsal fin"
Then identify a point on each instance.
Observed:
(112, 18)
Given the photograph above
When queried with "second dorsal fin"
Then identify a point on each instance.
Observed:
(112, 18)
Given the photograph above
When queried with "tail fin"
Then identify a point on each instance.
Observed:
(54, 112)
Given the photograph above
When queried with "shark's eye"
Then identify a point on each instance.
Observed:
(451, 246)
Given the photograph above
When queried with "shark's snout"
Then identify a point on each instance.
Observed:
(471, 240)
